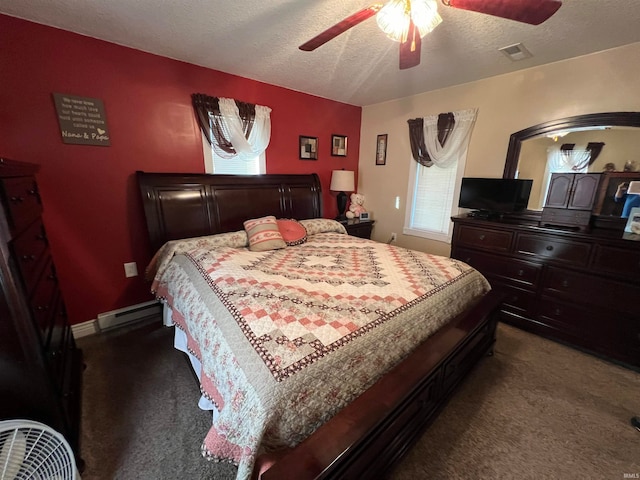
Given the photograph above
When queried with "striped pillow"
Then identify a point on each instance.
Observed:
(263, 234)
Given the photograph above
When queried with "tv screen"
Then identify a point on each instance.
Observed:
(495, 196)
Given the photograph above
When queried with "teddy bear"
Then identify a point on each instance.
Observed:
(356, 208)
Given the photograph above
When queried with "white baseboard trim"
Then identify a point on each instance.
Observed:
(84, 329)
(117, 318)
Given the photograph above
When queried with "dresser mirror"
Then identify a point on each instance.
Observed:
(533, 153)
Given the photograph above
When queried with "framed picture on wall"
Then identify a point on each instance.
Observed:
(308, 148)
(339, 145)
(381, 150)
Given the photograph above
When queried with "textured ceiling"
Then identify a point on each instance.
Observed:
(260, 39)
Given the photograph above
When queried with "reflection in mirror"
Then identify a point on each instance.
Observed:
(605, 212)
(566, 151)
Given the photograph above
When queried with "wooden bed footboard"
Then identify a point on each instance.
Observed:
(369, 436)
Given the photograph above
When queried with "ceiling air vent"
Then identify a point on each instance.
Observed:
(516, 52)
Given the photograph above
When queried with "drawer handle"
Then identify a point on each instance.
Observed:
(33, 191)
(28, 258)
(52, 276)
(42, 308)
(565, 283)
(557, 312)
(467, 260)
(549, 247)
(481, 237)
(520, 273)
(513, 298)
(17, 199)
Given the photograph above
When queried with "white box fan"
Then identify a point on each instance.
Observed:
(32, 450)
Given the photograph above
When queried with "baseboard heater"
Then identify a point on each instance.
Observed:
(117, 318)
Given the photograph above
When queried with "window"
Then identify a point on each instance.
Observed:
(432, 197)
(215, 164)
(235, 134)
(440, 141)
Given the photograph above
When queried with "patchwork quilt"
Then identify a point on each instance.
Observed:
(288, 337)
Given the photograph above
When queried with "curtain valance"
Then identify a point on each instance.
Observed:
(234, 129)
(439, 139)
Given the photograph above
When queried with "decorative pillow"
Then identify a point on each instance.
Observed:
(263, 234)
(292, 231)
(322, 225)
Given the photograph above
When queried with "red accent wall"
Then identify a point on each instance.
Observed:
(92, 208)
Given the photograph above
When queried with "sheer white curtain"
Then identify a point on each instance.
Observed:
(433, 192)
(230, 121)
(565, 161)
(568, 161)
(457, 141)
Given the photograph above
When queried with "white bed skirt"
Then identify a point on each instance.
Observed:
(180, 343)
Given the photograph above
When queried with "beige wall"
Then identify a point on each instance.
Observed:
(602, 82)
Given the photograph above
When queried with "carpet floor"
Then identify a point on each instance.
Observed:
(536, 409)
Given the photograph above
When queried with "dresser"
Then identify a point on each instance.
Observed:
(578, 287)
(41, 368)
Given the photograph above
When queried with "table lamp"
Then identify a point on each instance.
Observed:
(342, 181)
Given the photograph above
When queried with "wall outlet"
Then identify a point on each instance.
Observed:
(130, 269)
(393, 236)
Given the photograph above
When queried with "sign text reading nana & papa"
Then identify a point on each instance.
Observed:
(82, 120)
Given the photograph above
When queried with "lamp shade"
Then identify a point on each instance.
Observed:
(342, 181)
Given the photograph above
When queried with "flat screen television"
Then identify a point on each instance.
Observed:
(494, 196)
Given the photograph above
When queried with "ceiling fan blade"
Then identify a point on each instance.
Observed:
(410, 48)
(340, 27)
(526, 11)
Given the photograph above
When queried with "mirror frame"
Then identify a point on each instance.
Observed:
(618, 119)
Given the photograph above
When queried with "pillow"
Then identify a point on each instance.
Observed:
(263, 234)
(292, 232)
(322, 225)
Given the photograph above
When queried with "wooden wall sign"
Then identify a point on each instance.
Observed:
(82, 120)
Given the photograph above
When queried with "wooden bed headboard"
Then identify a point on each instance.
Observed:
(184, 205)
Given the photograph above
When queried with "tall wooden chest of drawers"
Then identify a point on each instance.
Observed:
(40, 366)
(581, 288)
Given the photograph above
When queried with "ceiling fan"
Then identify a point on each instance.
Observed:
(407, 21)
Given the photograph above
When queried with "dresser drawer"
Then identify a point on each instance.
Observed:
(597, 329)
(617, 261)
(57, 351)
(582, 289)
(626, 336)
(22, 200)
(58, 326)
(43, 302)
(523, 274)
(566, 251)
(562, 216)
(486, 239)
(573, 319)
(30, 249)
(516, 300)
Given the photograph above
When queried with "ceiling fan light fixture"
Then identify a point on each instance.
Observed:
(394, 18)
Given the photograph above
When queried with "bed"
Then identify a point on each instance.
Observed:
(333, 363)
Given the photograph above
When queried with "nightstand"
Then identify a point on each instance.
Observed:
(359, 228)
